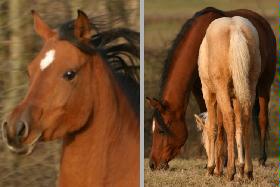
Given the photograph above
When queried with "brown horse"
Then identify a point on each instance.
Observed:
(229, 66)
(75, 94)
(180, 77)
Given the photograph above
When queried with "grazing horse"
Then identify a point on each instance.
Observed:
(76, 94)
(229, 66)
(180, 78)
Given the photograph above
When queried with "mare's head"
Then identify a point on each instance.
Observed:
(59, 97)
(169, 134)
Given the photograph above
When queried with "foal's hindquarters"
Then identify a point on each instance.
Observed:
(229, 68)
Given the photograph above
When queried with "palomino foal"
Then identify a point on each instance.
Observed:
(75, 94)
(229, 67)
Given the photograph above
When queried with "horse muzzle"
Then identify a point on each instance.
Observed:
(14, 136)
(161, 166)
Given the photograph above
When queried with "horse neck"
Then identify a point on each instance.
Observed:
(108, 149)
(184, 70)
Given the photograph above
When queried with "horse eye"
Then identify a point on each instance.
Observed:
(69, 75)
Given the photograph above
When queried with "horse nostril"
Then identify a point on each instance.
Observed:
(21, 129)
(152, 164)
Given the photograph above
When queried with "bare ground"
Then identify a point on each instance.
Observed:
(184, 172)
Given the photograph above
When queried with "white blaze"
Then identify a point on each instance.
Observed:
(48, 59)
(154, 125)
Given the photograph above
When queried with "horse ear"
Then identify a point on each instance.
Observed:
(41, 28)
(82, 26)
(155, 104)
(199, 122)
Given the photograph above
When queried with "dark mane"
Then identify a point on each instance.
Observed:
(185, 28)
(119, 47)
(121, 56)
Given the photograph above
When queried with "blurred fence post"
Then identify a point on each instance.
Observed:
(16, 47)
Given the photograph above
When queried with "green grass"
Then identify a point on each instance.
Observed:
(192, 173)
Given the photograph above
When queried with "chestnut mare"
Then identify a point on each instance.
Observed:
(180, 77)
(75, 94)
(229, 65)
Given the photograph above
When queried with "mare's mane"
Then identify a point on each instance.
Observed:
(120, 57)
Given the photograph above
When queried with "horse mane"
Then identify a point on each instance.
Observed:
(120, 56)
(184, 30)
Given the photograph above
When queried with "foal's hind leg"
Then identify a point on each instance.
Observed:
(226, 109)
(238, 135)
(247, 119)
(219, 144)
(210, 105)
(247, 128)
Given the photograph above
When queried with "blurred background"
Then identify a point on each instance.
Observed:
(163, 21)
(18, 46)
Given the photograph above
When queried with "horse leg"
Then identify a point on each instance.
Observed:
(219, 144)
(238, 136)
(210, 105)
(226, 109)
(247, 119)
(263, 122)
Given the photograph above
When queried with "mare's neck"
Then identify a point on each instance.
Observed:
(107, 151)
(184, 69)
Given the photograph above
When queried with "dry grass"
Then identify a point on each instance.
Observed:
(192, 173)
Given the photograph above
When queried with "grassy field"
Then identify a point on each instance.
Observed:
(192, 173)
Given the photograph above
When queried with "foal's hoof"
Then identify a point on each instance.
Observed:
(210, 170)
(218, 173)
(249, 175)
(230, 174)
(240, 169)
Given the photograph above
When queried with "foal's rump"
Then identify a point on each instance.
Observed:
(231, 45)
